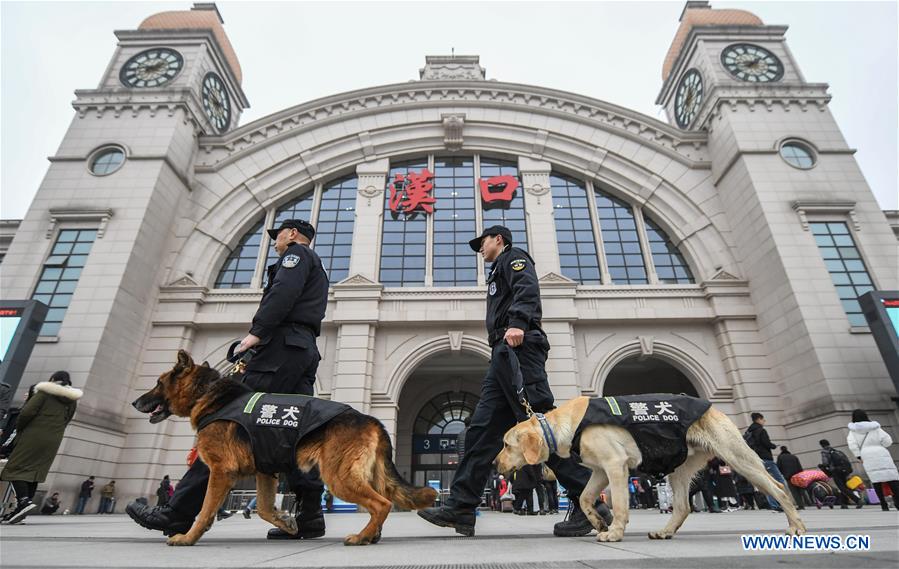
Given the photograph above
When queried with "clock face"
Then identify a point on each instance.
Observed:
(688, 98)
(151, 68)
(752, 63)
(216, 102)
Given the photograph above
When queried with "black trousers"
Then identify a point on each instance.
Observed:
(551, 488)
(845, 496)
(495, 414)
(894, 488)
(283, 369)
(524, 498)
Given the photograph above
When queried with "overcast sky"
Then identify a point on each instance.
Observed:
(294, 52)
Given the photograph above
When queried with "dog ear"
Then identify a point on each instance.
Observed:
(184, 362)
(205, 363)
(530, 447)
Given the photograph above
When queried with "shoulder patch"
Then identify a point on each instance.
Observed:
(290, 261)
(519, 264)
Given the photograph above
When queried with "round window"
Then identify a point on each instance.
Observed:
(797, 154)
(107, 160)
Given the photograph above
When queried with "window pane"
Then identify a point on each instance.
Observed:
(300, 208)
(244, 255)
(845, 266)
(408, 234)
(339, 203)
(619, 234)
(574, 230)
(500, 212)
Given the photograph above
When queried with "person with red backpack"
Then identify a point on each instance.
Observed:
(836, 464)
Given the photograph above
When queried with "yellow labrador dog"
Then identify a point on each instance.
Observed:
(610, 450)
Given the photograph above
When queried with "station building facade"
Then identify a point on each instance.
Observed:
(717, 254)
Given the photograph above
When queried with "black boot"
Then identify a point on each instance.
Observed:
(576, 523)
(159, 518)
(444, 516)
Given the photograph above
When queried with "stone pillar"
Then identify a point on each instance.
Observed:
(372, 177)
(355, 362)
(538, 206)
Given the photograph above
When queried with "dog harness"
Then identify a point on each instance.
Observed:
(657, 421)
(275, 424)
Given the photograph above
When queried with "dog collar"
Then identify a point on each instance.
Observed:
(548, 435)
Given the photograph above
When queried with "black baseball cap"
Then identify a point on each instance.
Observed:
(303, 226)
(475, 243)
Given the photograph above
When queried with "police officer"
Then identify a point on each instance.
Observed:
(283, 333)
(513, 322)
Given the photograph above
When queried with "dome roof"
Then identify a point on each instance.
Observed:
(699, 15)
(201, 17)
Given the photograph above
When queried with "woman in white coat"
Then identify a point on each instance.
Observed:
(868, 442)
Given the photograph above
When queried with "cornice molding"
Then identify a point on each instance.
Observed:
(219, 150)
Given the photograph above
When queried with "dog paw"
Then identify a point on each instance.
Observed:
(287, 523)
(179, 539)
(356, 539)
(609, 536)
(659, 535)
(796, 530)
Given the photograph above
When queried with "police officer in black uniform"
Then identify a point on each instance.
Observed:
(283, 334)
(513, 319)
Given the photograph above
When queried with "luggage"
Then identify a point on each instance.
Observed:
(823, 494)
(665, 498)
(872, 496)
(854, 482)
(805, 478)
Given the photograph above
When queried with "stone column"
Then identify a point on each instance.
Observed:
(372, 177)
(538, 206)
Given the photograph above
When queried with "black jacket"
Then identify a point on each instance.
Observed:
(513, 294)
(296, 293)
(788, 464)
(759, 441)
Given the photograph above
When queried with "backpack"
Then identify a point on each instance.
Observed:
(839, 461)
(749, 437)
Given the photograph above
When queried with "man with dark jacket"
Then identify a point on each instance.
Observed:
(757, 438)
(788, 464)
(836, 465)
(514, 332)
(283, 332)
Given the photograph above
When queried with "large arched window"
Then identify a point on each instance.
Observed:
(624, 231)
(574, 232)
(331, 205)
(445, 414)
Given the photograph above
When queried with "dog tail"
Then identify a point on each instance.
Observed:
(396, 488)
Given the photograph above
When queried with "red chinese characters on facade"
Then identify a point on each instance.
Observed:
(498, 188)
(412, 191)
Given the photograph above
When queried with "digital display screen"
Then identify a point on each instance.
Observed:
(9, 323)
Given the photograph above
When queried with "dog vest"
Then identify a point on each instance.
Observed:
(275, 423)
(657, 421)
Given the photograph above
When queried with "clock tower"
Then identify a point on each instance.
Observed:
(121, 189)
(805, 227)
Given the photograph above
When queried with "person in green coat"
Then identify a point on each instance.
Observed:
(40, 428)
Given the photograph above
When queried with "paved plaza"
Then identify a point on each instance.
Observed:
(502, 540)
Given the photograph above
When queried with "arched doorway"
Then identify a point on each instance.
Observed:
(637, 375)
(439, 395)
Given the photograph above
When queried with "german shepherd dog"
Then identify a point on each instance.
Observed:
(352, 451)
(610, 450)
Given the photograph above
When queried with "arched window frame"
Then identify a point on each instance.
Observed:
(637, 210)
